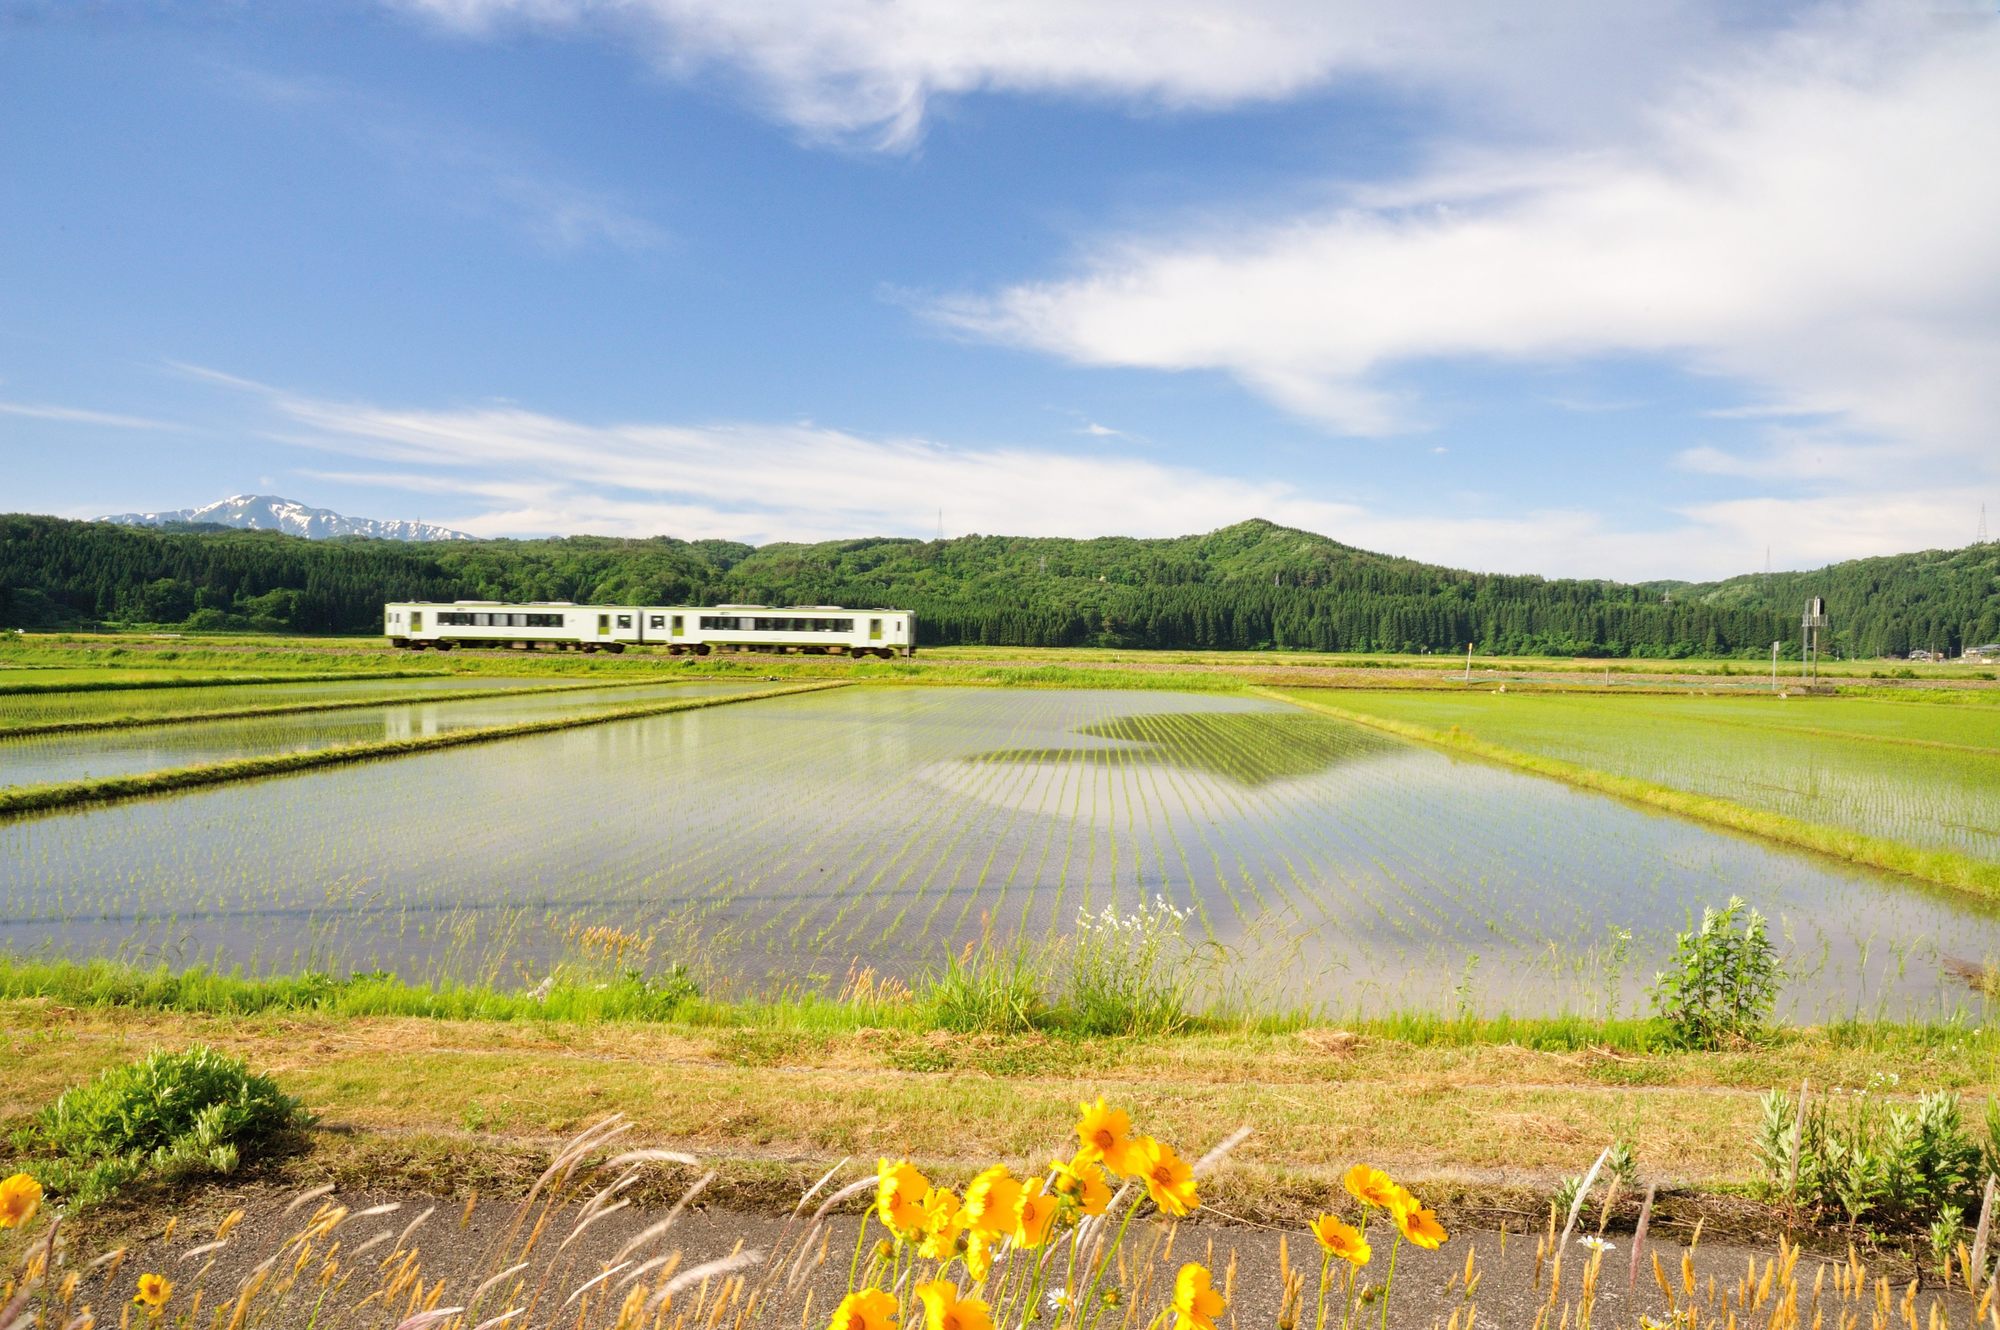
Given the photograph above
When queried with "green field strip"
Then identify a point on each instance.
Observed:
(1945, 867)
(43, 798)
(30, 729)
(211, 681)
(1909, 795)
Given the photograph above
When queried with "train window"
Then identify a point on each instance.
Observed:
(624, 621)
(656, 621)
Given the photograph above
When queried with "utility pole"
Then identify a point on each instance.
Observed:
(1468, 662)
(1774, 667)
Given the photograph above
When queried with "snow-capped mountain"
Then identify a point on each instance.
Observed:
(267, 512)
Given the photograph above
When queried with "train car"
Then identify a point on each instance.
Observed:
(417, 625)
(677, 629)
(812, 629)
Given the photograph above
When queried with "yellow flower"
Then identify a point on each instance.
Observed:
(1371, 1186)
(20, 1197)
(945, 1310)
(1038, 1215)
(944, 1221)
(979, 1255)
(1416, 1224)
(1196, 1303)
(870, 1309)
(1082, 1181)
(1106, 1133)
(154, 1290)
(993, 1203)
(1342, 1240)
(899, 1198)
(1169, 1179)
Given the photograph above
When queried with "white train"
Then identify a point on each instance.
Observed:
(678, 629)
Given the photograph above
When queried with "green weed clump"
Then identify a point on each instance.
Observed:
(1721, 984)
(1898, 1168)
(167, 1116)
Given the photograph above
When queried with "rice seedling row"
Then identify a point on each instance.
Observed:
(783, 841)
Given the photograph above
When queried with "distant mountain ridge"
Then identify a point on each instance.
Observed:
(268, 512)
(1246, 586)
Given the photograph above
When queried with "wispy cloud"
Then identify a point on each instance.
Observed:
(80, 416)
(505, 470)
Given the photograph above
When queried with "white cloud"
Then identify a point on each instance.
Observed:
(72, 415)
(869, 68)
(1814, 219)
(508, 471)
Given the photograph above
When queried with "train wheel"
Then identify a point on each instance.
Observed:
(616, 648)
(701, 649)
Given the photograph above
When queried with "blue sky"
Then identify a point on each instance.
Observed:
(1633, 293)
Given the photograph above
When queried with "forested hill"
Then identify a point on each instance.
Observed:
(1245, 586)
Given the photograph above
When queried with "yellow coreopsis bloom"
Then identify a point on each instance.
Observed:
(978, 1255)
(154, 1290)
(1038, 1215)
(1169, 1179)
(20, 1197)
(944, 1221)
(1196, 1303)
(1417, 1225)
(1106, 1133)
(1371, 1186)
(993, 1202)
(1342, 1240)
(870, 1309)
(945, 1310)
(899, 1197)
(1082, 1181)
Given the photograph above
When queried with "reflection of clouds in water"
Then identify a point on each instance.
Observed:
(1098, 794)
(1334, 865)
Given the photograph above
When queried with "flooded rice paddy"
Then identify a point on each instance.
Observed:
(61, 756)
(785, 839)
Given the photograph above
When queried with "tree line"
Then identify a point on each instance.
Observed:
(1250, 586)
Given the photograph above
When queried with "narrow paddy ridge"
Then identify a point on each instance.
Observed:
(63, 757)
(170, 700)
(790, 837)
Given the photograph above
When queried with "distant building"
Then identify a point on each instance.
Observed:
(1984, 655)
(1921, 654)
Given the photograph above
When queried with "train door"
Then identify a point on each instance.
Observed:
(416, 621)
(604, 625)
(874, 630)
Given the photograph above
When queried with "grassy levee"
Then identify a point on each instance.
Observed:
(410, 1102)
(29, 799)
(29, 729)
(1947, 868)
(9, 689)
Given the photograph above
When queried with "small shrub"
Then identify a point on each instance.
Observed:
(167, 1115)
(1721, 984)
